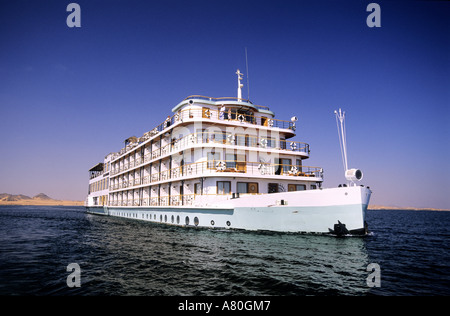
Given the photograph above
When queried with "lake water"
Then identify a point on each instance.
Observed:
(120, 256)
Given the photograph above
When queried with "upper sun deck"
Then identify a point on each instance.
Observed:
(227, 111)
(219, 102)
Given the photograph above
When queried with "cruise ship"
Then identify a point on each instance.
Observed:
(225, 163)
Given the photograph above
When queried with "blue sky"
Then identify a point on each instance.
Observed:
(69, 96)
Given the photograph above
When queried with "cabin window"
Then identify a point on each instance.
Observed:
(264, 121)
(242, 187)
(212, 157)
(273, 188)
(202, 136)
(220, 137)
(197, 188)
(296, 187)
(247, 187)
(230, 160)
(286, 165)
(252, 141)
(240, 140)
(223, 187)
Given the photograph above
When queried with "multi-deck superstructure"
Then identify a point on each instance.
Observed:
(222, 163)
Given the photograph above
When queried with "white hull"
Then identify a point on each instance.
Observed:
(312, 211)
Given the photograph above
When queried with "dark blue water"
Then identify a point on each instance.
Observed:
(124, 257)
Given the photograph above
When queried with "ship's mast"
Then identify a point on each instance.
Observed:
(351, 175)
(340, 117)
(240, 85)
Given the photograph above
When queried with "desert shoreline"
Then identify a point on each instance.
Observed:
(406, 208)
(43, 203)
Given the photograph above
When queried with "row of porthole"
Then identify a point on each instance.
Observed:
(186, 220)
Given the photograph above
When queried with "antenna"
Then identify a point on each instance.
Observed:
(340, 117)
(248, 84)
(350, 174)
(240, 85)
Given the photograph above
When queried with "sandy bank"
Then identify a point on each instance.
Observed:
(43, 202)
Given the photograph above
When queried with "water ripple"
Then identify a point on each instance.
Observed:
(126, 257)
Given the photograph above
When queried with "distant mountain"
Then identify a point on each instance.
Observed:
(39, 199)
(12, 197)
(42, 196)
(20, 197)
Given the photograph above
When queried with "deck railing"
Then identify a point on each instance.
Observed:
(219, 168)
(201, 97)
(213, 138)
(231, 115)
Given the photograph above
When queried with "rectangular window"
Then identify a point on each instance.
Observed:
(202, 136)
(213, 158)
(296, 187)
(230, 160)
(242, 187)
(240, 163)
(223, 187)
(252, 141)
(252, 187)
(220, 137)
(282, 143)
(240, 140)
(197, 188)
(263, 121)
(273, 188)
(286, 165)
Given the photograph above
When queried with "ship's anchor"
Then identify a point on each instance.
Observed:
(339, 230)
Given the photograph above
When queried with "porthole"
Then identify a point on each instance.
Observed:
(178, 219)
(228, 223)
(172, 219)
(165, 218)
(187, 220)
(212, 223)
(154, 216)
(160, 218)
(196, 222)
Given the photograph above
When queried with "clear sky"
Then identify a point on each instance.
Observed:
(69, 96)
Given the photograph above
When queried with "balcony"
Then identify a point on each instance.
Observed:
(230, 117)
(214, 139)
(222, 168)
